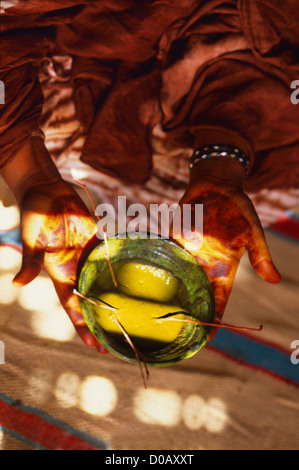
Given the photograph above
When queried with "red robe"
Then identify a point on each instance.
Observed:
(209, 71)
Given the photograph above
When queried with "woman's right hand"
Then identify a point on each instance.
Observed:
(56, 226)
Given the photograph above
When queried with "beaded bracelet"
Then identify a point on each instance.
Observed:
(219, 151)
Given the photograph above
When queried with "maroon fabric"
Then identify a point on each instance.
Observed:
(209, 71)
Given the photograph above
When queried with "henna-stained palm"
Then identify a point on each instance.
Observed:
(230, 227)
(56, 227)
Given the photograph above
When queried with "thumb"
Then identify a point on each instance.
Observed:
(260, 257)
(30, 269)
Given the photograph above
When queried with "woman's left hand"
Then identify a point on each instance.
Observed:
(230, 227)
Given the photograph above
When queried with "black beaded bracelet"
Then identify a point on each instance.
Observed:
(219, 151)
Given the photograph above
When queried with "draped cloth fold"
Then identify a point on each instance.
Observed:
(204, 71)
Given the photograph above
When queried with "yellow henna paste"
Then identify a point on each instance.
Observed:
(137, 316)
(146, 281)
(144, 292)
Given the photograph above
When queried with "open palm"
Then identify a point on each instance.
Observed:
(230, 227)
(56, 227)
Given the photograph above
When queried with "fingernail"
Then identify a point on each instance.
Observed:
(90, 341)
(269, 272)
(101, 349)
(17, 283)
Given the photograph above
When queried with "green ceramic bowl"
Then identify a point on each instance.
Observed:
(194, 294)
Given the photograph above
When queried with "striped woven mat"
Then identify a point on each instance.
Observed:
(240, 392)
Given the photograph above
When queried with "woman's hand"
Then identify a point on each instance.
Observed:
(230, 227)
(56, 227)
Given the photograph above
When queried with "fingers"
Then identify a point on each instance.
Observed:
(88, 339)
(86, 335)
(267, 271)
(31, 267)
(260, 257)
(71, 305)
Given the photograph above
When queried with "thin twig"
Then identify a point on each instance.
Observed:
(169, 316)
(103, 305)
(110, 265)
(82, 185)
(136, 351)
(126, 335)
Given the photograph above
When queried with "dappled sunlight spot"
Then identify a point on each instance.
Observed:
(8, 292)
(38, 295)
(79, 173)
(9, 258)
(9, 217)
(40, 385)
(97, 396)
(210, 414)
(54, 324)
(206, 248)
(66, 389)
(159, 407)
(194, 412)
(48, 318)
(217, 415)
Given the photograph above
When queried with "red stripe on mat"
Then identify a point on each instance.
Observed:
(286, 226)
(34, 427)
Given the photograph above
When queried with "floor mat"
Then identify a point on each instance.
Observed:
(240, 392)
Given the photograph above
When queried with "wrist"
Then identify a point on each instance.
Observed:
(223, 170)
(32, 166)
